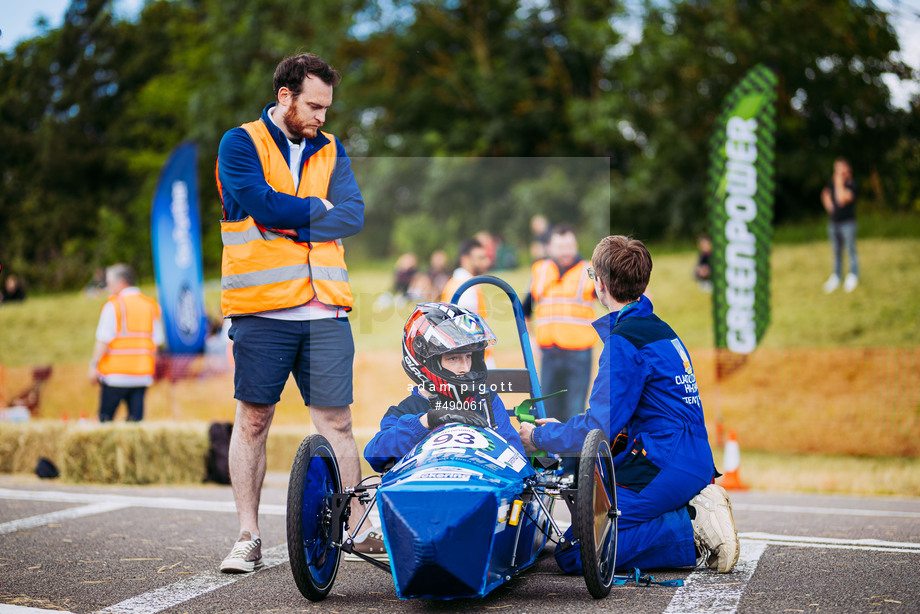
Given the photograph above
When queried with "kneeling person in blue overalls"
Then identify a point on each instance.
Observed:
(672, 514)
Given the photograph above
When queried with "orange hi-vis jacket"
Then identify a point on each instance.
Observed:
(451, 286)
(564, 307)
(265, 270)
(132, 351)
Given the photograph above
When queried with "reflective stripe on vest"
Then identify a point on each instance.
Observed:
(262, 269)
(132, 351)
(564, 307)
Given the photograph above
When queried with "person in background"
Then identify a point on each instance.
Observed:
(472, 260)
(561, 306)
(124, 359)
(96, 285)
(672, 514)
(405, 283)
(437, 274)
(487, 241)
(505, 255)
(839, 200)
(539, 230)
(703, 270)
(14, 291)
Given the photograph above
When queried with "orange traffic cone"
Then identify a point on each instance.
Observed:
(730, 463)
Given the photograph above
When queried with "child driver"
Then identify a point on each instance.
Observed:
(443, 353)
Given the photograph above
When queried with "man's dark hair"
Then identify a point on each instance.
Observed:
(563, 228)
(292, 70)
(466, 247)
(624, 266)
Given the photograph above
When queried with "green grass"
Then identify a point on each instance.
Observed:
(60, 328)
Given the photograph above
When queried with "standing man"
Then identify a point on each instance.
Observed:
(561, 302)
(672, 516)
(127, 337)
(472, 260)
(839, 200)
(289, 198)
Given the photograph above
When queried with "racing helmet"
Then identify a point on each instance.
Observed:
(435, 329)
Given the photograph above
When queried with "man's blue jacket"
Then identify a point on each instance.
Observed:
(245, 192)
(401, 430)
(645, 384)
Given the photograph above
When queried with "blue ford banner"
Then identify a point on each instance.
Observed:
(176, 233)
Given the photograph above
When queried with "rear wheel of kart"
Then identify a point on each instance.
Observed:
(314, 479)
(596, 514)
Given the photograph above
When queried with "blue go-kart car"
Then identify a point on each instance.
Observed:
(463, 512)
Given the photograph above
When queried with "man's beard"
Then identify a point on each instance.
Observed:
(297, 126)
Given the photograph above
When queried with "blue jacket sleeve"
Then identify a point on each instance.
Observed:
(503, 425)
(346, 218)
(399, 433)
(614, 398)
(244, 185)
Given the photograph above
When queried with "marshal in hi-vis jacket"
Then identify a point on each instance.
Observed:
(282, 248)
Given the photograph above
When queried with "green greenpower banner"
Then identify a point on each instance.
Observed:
(740, 195)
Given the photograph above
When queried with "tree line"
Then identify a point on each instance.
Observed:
(434, 91)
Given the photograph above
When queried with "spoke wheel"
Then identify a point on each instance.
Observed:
(596, 514)
(314, 479)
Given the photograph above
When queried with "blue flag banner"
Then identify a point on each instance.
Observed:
(176, 233)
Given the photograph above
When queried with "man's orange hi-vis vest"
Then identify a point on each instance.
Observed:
(564, 307)
(132, 351)
(263, 269)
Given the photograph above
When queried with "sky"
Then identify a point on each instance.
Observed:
(17, 22)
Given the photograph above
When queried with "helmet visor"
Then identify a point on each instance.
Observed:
(464, 331)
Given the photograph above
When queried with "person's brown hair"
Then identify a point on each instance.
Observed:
(623, 265)
(291, 72)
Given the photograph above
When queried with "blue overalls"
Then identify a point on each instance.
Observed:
(645, 385)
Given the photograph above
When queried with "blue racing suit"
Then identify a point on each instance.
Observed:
(645, 385)
(401, 430)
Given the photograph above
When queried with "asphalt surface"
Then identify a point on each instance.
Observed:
(86, 549)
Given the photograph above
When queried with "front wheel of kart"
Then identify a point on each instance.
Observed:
(596, 514)
(314, 479)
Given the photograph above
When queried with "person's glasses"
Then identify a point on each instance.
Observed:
(590, 273)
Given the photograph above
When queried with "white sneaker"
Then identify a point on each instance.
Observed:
(831, 284)
(246, 555)
(369, 543)
(714, 528)
(851, 282)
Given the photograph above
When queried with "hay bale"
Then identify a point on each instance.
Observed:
(283, 442)
(23, 443)
(281, 447)
(135, 453)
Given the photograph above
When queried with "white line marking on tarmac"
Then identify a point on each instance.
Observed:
(706, 590)
(68, 514)
(876, 545)
(797, 509)
(170, 503)
(194, 586)
(18, 609)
